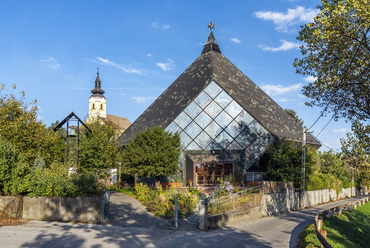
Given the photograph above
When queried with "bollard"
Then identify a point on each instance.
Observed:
(203, 212)
(323, 233)
(319, 224)
(340, 212)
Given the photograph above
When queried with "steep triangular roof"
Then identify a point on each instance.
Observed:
(210, 66)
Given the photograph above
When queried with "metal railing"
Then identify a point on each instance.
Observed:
(222, 201)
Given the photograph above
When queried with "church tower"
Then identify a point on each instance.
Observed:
(97, 102)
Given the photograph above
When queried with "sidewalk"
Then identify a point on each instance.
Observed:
(275, 231)
(126, 211)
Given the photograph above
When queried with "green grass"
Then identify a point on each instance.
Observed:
(349, 230)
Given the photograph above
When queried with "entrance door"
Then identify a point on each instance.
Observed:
(210, 174)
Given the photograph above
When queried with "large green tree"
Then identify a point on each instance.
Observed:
(98, 151)
(153, 153)
(283, 162)
(336, 52)
(355, 151)
(19, 126)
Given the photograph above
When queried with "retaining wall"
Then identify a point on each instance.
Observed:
(79, 209)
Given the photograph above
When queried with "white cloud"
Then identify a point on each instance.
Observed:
(156, 25)
(149, 55)
(279, 89)
(236, 40)
(122, 94)
(285, 46)
(340, 130)
(291, 17)
(141, 99)
(118, 66)
(283, 100)
(167, 66)
(52, 62)
(310, 79)
(301, 96)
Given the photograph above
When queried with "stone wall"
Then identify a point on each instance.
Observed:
(79, 209)
(10, 207)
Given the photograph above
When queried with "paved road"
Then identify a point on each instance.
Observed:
(276, 231)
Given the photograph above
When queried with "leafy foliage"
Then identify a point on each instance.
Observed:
(97, 150)
(52, 181)
(294, 114)
(153, 153)
(329, 172)
(19, 125)
(284, 162)
(354, 151)
(337, 53)
(162, 202)
(13, 169)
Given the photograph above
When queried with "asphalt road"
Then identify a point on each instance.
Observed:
(274, 231)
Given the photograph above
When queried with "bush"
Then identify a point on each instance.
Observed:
(87, 184)
(52, 181)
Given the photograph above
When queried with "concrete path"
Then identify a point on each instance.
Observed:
(125, 211)
(275, 231)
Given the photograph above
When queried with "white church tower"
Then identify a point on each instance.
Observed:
(97, 102)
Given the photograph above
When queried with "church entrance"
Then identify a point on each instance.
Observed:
(210, 174)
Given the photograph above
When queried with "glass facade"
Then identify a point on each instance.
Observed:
(214, 121)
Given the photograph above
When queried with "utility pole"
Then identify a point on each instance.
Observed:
(304, 162)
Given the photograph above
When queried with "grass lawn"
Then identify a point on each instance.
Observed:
(352, 229)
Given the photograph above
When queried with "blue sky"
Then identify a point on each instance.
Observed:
(51, 50)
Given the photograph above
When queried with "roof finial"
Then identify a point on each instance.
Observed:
(211, 25)
(98, 70)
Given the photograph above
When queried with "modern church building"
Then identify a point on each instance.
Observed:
(225, 121)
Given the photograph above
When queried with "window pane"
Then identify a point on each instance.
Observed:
(213, 129)
(223, 139)
(182, 120)
(173, 128)
(213, 89)
(233, 109)
(244, 118)
(255, 149)
(223, 119)
(193, 146)
(244, 139)
(203, 140)
(266, 138)
(234, 146)
(185, 140)
(193, 130)
(256, 127)
(203, 100)
(233, 129)
(213, 109)
(203, 120)
(214, 146)
(223, 99)
(193, 110)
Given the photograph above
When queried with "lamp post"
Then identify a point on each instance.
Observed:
(305, 131)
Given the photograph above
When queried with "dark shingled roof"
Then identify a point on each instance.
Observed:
(210, 66)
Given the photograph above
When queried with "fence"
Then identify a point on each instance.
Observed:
(222, 204)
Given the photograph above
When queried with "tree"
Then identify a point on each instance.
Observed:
(153, 153)
(337, 54)
(354, 149)
(294, 114)
(98, 151)
(13, 169)
(283, 162)
(19, 125)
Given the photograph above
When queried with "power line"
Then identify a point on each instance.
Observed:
(344, 74)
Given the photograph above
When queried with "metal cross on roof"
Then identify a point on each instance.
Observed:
(211, 26)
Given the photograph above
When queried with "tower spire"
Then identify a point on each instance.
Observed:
(98, 90)
(211, 44)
